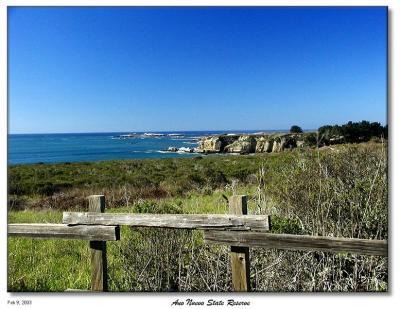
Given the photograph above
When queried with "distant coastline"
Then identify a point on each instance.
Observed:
(81, 147)
(34, 148)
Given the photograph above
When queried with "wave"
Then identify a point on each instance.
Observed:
(143, 151)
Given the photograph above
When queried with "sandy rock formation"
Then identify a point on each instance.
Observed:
(276, 146)
(253, 143)
(260, 144)
(210, 144)
(244, 144)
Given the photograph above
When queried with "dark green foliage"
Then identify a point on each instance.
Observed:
(214, 177)
(310, 139)
(14, 184)
(241, 174)
(162, 177)
(158, 208)
(47, 188)
(296, 129)
(352, 132)
(282, 225)
(138, 181)
(290, 143)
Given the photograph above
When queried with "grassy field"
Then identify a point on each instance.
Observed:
(334, 191)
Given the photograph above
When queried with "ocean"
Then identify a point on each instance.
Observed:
(80, 147)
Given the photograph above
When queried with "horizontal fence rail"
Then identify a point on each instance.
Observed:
(178, 221)
(84, 232)
(298, 242)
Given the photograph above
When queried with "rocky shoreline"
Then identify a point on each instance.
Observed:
(250, 143)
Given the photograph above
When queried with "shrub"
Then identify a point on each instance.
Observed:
(215, 178)
(310, 139)
(241, 174)
(352, 132)
(158, 208)
(46, 188)
(285, 225)
(296, 129)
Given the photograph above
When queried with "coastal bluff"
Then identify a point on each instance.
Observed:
(254, 143)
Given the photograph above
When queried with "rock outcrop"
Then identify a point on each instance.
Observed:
(268, 146)
(276, 146)
(244, 144)
(254, 143)
(181, 149)
(260, 144)
(215, 143)
(210, 144)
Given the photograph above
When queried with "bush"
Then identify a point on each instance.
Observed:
(241, 174)
(158, 208)
(282, 225)
(342, 193)
(215, 178)
(310, 139)
(352, 132)
(46, 188)
(296, 129)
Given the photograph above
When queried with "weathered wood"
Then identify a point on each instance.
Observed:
(97, 203)
(298, 242)
(98, 249)
(182, 221)
(84, 232)
(240, 258)
(99, 265)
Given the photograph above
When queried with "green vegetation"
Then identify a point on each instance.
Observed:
(128, 180)
(296, 129)
(339, 190)
(352, 132)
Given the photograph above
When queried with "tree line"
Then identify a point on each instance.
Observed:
(351, 132)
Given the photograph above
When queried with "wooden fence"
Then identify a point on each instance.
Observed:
(236, 229)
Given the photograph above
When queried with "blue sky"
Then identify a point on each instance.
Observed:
(160, 69)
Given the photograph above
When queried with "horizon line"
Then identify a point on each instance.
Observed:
(160, 131)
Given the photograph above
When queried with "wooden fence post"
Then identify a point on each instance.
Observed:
(240, 261)
(98, 250)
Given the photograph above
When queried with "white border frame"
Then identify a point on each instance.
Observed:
(260, 300)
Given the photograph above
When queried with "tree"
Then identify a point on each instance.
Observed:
(351, 132)
(296, 129)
